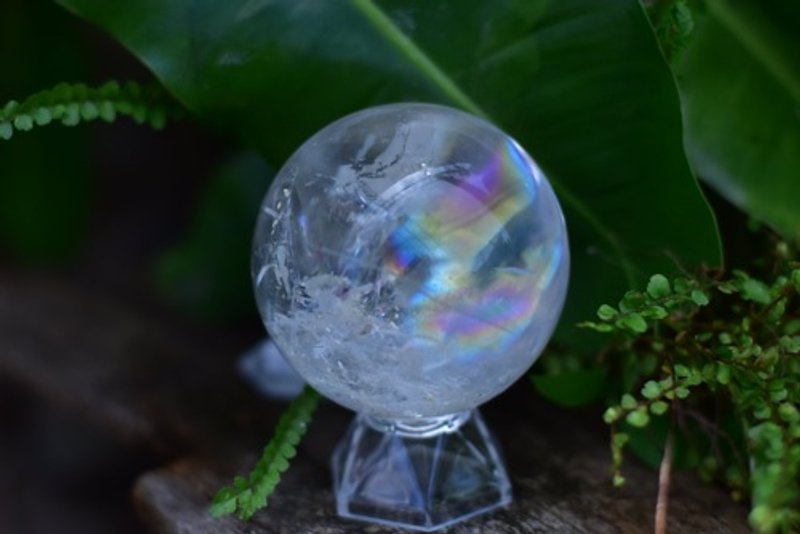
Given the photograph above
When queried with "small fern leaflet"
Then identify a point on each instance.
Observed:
(71, 104)
(248, 495)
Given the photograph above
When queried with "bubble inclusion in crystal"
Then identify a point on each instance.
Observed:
(410, 260)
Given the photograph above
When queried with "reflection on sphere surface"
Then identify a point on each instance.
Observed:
(410, 260)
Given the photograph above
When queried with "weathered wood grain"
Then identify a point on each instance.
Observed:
(174, 389)
(145, 378)
(560, 478)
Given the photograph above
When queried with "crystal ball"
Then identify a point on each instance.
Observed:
(410, 260)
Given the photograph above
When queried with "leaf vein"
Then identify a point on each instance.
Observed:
(413, 53)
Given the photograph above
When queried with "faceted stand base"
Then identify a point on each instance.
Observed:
(421, 475)
(265, 368)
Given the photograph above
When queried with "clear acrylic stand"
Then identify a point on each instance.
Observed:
(420, 474)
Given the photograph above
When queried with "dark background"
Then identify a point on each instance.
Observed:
(97, 219)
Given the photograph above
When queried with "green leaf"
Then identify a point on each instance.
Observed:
(72, 115)
(790, 344)
(23, 122)
(673, 24)
(755, 290)
(223, 504)
(682, 285)
(628, 402)
(651, 389)
(777, 310)
(106, 111)
(739, 81)
(723, 374)
(658, 286)
(681, 371)
(619, 439)
(659, 407)
(638, 418)
(42, 116)
(89, 111)
(762, 411)
(699, 297)
(580, 84)
(633, 301)
(788, 412)
(606, 312)
(85, 106)
(597, 327)
(778, 395)
(633, 322)
(572, 388)
(682, 392)
(654, 312)
(611, 415)
(727, 288)
(247, 495)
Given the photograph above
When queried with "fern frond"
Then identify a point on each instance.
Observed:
(735, 342)
(673, 23)
(76, 103)
(248, 495)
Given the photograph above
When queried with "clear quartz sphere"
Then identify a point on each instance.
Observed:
(410, 260)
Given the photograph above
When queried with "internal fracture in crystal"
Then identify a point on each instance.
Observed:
(410, 261)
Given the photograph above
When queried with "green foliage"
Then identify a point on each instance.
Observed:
(726, 350)
(248, 495)
(657, 302)
(673, 22)
(73, 104)
(580, 84)
(739, 79)
(45, 182)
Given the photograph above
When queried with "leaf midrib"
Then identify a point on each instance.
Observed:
(417, 57)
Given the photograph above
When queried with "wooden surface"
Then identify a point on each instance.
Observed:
(174, 390)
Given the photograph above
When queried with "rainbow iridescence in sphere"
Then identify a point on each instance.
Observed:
(410, 260)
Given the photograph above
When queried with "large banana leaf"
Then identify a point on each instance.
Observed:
(740, 83)
(580, 84)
